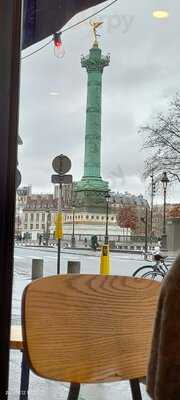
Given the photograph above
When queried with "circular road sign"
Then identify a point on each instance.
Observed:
(61, 164)
(18, 178)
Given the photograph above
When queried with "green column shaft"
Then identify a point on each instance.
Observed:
(94, 64)
(92, 159)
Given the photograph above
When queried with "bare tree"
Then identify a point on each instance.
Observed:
(162, 138)
(127, 217)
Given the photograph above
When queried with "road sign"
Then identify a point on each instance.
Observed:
(66, 179)
(18, 178)
(61, 164)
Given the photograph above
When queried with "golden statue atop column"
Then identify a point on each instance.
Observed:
(95, 25)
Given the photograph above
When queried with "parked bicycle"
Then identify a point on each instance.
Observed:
(156, 271)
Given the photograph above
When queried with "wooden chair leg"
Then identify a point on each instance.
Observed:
(24, 386)
(74, 391)
(135, 389)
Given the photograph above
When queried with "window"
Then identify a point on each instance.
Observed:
(26, 217)
(92, 216)
(43, 226)
(97, 217)
(25, 226)
(31, 226)
(32, 217)
(37, 217)
(102, 218)
(112, 218)
(43, 217)
(87, 216)
(37, 226)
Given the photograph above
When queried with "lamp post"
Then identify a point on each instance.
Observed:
(73, 240)
(107, 197)
(153, 191)
(47, 227)
(164, 181)
(145, 221)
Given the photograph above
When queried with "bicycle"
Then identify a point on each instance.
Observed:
(157, 271)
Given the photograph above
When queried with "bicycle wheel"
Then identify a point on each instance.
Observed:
(154, 275)
(146, 268)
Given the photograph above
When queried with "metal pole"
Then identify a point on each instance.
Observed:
(106, 239)
(10, 29)
(59, 240)
(164, 237)
(74, 267)
(152, 198)
(73, 237)
(164, 219)
(73, 224)
(47, 229)
(59, 256)
(146, 234)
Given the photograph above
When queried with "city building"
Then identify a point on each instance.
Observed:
(22, 193)
(67, 195)
(38, 216)
(172, 211)
(38, 219)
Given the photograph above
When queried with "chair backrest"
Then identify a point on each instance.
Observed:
(89, 328)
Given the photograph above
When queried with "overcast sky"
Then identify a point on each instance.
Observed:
(144, 73)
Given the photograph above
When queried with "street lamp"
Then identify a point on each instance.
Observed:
(145, 221)
(107, 197)
(153, 192)
(73, 240)
(164, 181)
(47, 227)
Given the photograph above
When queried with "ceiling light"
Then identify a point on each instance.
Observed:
(54, 93)
(160, 14)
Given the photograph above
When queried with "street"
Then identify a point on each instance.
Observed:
(122, 264)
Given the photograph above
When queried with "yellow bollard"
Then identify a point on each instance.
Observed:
(59, 225)
(105, 268)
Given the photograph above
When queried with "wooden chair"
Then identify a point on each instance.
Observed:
(89, 328)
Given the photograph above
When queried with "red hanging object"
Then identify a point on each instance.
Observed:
(58, 48)
(57, 40)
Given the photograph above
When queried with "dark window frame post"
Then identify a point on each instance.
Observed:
(10, 32)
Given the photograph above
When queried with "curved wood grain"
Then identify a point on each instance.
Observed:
(89, 328)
